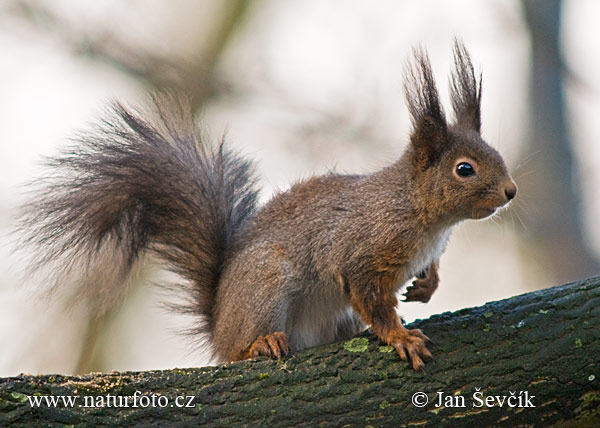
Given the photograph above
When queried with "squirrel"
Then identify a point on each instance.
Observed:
(317, 263)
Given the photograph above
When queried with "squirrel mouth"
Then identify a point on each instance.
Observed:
(481, 213)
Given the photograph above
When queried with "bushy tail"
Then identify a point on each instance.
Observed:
(136, 184)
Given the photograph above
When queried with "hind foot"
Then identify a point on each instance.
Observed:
(274, 345)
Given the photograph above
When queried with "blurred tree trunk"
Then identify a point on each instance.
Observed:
(552, 193)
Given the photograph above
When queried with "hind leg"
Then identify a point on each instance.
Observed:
(253, 305)
(349, 326)
(274, 345)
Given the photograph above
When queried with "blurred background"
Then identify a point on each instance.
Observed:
(302, 87)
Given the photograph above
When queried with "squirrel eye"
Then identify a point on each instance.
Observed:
(465, 169)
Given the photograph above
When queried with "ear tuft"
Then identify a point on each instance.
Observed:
(428, 135)
(465, 89)
(421, 91)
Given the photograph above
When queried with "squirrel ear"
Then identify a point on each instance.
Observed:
(465, 90)
(429, 140)
(428, 135)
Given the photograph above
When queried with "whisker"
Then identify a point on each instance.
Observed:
(521, 204)
(524, 174)
(516, 213)
(527, 159)
(512, 219)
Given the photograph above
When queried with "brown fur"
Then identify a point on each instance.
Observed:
(424, 286)
(318, 262)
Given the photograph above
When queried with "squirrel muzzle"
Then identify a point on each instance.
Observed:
(506, 193)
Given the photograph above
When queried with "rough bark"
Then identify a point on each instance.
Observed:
(546, 343)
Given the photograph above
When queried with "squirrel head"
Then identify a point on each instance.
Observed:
(457, 174)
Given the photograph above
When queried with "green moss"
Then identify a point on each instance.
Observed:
(486, 328)
(358, 344)
(262, 376)
(578, 343)
(488, 314)
(18, 397)
(386, 349)
(588, 411)
(384, 404)
(590, 398)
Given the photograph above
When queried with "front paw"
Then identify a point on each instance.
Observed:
(412, 344)
(421, 290)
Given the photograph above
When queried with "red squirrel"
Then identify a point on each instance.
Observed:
(315, 264)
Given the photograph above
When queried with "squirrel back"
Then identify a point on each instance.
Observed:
(316, 264)
(134, 184)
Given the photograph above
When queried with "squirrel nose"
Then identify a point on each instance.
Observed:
(510, 190)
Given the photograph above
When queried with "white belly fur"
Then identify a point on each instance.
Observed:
(429, 250)
(320, 314)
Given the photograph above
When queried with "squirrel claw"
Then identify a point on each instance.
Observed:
(272, 345)
(413, 346)
(421, 290)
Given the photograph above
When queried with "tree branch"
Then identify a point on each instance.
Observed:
(194, 75)
(541, 348)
